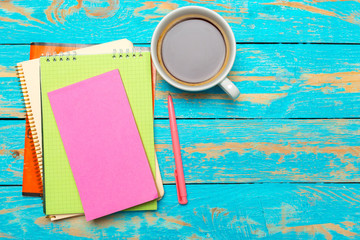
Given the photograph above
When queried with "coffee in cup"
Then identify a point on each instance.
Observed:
(193, 48)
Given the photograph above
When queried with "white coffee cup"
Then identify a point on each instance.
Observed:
(186, 13)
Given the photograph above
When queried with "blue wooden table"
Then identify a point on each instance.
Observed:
(281, 162)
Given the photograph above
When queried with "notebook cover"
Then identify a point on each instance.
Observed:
(109, 163)
(61, 195)
(32, 180)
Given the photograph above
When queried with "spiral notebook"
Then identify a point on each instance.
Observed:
(60, 192)
(32, 177)
(103, 145)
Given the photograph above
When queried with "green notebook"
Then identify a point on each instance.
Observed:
(60, 193)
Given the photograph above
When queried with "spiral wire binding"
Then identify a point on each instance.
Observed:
(53, 57)
(35, 143)
(127, 54)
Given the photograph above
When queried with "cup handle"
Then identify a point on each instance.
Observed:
(230, 88)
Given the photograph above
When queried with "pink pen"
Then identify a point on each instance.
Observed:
(179, 172)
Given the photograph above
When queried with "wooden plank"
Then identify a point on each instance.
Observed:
(234, 211)
(234, 151)
(252, 21)
(279, 81)
(276, 81)
(263, 150)
(12, 134)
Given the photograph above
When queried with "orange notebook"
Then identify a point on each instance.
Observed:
(32, 181)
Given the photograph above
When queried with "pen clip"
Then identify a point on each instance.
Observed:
(181, 199)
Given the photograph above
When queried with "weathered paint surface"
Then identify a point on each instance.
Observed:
(11, 151)
(275, 80)
(252, 170)
(226, 211)
(251, 21)
(233, 151)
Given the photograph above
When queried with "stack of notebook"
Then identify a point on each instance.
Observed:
(92, 130)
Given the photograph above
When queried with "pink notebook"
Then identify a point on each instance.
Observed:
(103, 145)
